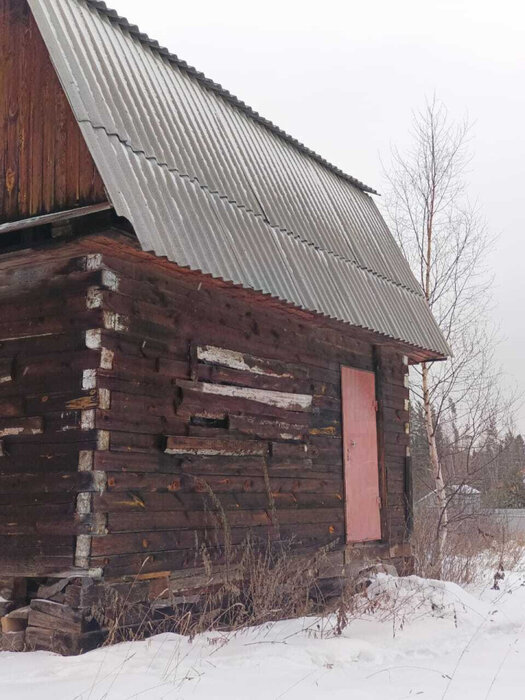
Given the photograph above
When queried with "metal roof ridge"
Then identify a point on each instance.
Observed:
(113, 16)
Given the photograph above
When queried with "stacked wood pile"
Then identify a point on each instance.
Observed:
(147, 413)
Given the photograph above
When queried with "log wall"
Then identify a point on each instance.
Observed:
(147, 411)
(45, 165)
(224, 409)
(44, 360)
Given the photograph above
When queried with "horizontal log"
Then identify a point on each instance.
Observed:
(197, 403)
(35, 565)
(56, 522)
(133, 345)
(51, 325)
(178, 445)
(175, 369)
(150, 462)
(56, 402)
(59, 294)
(36, 347)
(278, 399)
(266, 429)
(62, 502)
(169, 520)
(135, 442)
(21, 426)
(60, 437)
(42, 458)
(131, 543)
(50, 483)
(137, 502)
(138, 462)
(240, 361)
(52, 364)
(68, 380)
(31, 545)
(224, 375)
(151, 385)
(138, 422)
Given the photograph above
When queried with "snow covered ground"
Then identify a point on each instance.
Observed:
(441, 642)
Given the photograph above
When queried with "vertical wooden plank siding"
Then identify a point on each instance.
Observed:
(45, 165)
(362, 502)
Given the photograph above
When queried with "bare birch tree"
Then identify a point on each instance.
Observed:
(445, 240)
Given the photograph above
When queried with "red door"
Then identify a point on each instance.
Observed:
(362, 502)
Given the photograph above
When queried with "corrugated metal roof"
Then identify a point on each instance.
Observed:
(211, 185)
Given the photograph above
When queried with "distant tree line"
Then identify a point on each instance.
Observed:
(494, 465)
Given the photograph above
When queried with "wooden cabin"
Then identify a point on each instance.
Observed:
(196, 312)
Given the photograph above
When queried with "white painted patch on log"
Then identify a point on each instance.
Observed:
(21, 426)
(208, 451)
(104, 399)
(94, 298)
(89, 379)
(85, 460)
(87, 419)
(93, 262)
(103, 440)
(233, 360)
(106, 358)
(84, 503)
(94, 339)
(115, 322)
(279, 399)
(82, 551)
(211, 447)
(14, 430)
(203, 451)
(110, 280)
(100, 481)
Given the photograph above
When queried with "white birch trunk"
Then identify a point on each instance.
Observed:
(437, 473)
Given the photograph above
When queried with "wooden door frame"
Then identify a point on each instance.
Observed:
(381, 463)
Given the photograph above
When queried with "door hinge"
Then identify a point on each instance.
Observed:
(376, 405)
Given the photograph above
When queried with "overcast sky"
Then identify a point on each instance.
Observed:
(344, 78)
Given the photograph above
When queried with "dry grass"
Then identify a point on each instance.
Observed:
(475, 544)
(267, 582)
